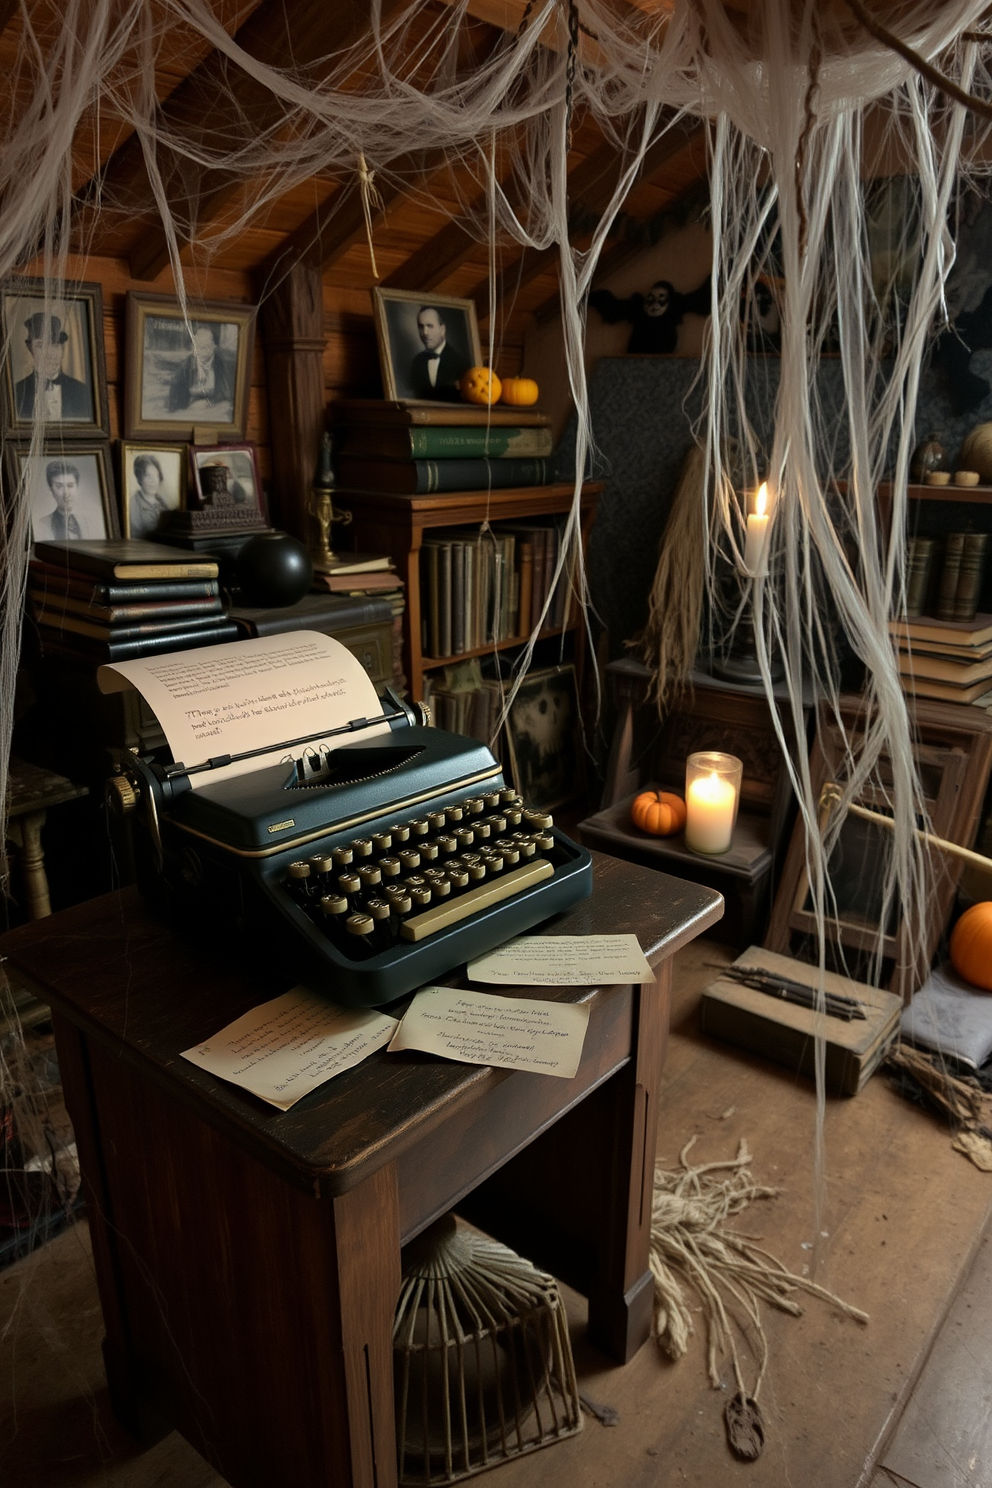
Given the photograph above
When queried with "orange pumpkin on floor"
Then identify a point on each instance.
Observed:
(659, 812)
(971, 945)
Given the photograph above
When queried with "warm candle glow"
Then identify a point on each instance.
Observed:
(756, 540)
(712, 786)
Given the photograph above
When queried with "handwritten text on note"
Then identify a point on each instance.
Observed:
(480, 1028)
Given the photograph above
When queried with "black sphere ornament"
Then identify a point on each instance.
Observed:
(273, 570)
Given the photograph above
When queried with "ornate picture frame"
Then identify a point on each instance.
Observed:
(70, 490)
(152, 481)
(186, 373)
(411, 329)
(53, 342)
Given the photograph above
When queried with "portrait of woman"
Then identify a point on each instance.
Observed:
(152, 483)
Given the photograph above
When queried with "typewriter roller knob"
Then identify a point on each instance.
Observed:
(122, 794)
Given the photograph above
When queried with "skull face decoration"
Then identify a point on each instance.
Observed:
(657, 299)
(655, 317)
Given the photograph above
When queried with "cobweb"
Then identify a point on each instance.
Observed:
(800, 105)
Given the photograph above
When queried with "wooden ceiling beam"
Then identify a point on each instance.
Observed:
(590, 186)
(209, 112)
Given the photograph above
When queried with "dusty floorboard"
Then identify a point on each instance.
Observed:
(902, 1217)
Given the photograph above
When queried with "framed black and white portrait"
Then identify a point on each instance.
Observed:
(54, 366)
(544, 733)
(185, 373)
(152, 482)
(225, 475)
(426, 343)
(69, 490)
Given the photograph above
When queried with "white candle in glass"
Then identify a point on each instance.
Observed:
(710, 806)
(756, 541)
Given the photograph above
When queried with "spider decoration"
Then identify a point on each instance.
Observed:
(655, 317)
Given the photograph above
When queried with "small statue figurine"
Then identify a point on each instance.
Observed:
(322, 509)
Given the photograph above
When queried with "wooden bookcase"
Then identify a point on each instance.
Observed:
(388, 522)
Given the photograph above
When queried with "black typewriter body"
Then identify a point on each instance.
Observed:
(267, 856)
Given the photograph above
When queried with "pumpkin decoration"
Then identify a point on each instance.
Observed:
(971, 945)
(480, 385)
(658, 812)
(519, 392)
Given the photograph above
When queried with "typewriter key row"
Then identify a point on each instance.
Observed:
(414, 879)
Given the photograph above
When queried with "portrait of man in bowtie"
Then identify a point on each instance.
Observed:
(425, 345)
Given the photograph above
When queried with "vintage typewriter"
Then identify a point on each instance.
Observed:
(369, 866)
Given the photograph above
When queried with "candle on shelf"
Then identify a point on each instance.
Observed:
(756, 541)
(712, 791)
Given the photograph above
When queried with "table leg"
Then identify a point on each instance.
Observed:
(27, 829)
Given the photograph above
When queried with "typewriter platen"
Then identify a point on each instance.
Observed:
(368, 868)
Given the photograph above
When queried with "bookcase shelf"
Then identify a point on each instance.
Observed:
(431, 663)
(393, 523)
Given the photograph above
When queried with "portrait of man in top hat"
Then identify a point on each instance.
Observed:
(48, 388)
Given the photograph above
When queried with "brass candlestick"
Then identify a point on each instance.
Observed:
(323, 511)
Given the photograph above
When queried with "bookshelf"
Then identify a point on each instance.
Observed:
(390, 522)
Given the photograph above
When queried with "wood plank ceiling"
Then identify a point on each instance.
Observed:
(424, 237)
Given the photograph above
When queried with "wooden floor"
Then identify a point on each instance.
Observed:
(906, 1399)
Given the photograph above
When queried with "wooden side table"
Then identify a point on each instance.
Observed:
(248, 1260)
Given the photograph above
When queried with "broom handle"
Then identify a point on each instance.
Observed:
(830, 796)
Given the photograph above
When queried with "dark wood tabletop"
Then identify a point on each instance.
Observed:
(121, 974)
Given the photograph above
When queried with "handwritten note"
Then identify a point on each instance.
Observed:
(253, 694)
(285, 1048)
(565, 961)
(478, 1028)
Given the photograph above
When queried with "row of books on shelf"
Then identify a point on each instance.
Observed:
(947, 660)
(464, 701)
(420, 448)
(944, 575)
(484, 586)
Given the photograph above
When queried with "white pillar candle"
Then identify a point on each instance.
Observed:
(756, 540)
(710, 805)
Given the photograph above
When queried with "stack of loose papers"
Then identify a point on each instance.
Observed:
(284, 1049)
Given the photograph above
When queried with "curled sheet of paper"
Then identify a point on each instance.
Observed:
(564, 961)
(480, 1028)
(285, 1048)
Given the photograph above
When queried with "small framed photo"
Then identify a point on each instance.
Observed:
(186, 372)
(426, 342)
(70, 491)
(152, 482)
(544, 734)
(53, 362)
(225, 475)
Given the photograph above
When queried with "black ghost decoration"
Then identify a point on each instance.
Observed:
(655, 317)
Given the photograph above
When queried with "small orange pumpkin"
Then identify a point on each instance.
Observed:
(971, 945)
(480, 385)
(659, 812)
(521, 392)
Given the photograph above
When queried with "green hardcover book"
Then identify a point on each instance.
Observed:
(443, 442)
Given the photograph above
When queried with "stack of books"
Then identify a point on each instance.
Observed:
(368, 576)
(105, 600)
(464, 701)
(417, 448)
(950, 660)
(483, 587)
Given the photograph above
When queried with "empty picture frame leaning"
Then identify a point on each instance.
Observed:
(186, 372)
(953, 753)
(54, 360)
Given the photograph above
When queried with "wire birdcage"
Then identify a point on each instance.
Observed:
(482, 1358)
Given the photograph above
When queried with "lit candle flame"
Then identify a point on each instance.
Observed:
(761, 500)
